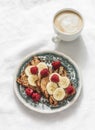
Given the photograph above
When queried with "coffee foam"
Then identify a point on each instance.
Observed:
(68, 22)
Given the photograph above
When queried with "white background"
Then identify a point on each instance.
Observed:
(26, 26)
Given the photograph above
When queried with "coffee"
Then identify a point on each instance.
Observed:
(68, 22)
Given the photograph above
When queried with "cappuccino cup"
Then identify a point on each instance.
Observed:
(68, 24)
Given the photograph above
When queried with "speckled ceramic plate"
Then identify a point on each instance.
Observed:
(48, 57)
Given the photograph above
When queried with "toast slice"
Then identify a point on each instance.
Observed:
(23, 78)
(42, 83)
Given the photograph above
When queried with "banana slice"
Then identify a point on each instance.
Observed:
(51, 87)
(32, 79)
(41, 66)
(64, 82)
(27, 70)
(59, 94)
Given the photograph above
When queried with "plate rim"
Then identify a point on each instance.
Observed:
(47, 111)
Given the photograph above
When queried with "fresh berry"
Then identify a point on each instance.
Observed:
(29, 91)
(55, 78)
(70, 90)
(34, 70)
(36, 97)
(56, 64)
(44, 72)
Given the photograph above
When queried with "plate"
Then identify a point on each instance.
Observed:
(48, 57)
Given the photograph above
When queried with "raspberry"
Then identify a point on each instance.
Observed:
(29, 91)
(36, 97)
(55, 78)
(56, 64)
(70, 90)
(34, 70)
(44, 72)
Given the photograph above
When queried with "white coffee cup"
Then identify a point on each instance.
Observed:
(71, 15)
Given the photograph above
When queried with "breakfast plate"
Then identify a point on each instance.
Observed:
(47, 82)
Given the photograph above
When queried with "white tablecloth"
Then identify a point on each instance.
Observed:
(26, 26)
